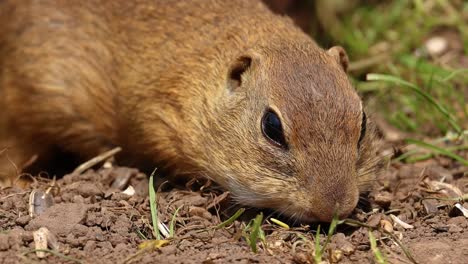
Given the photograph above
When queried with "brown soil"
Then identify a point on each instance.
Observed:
(94, 222)
(91, 220)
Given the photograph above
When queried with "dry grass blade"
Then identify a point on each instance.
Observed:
(400, 222)
(218, 200)
(405, 250)
(55, 253)
(90, 163)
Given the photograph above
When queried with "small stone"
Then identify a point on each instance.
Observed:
(90, 246)
(119, 196)
(455, 229)
(430, 205)
(336, 256)
(383, 199)
(433, 220)
(122, 176)
(343, 244)
(27, 237)
(87, 189)
(347, 248)
(386, 225)
(374, 220)
(440, 228)
(199, 211)
(121, 247)
(105, 245)
(100, 237)
(377, 234)
(78, 199)
(458, 221)
(301, 258)
(4, 244)
(438, 173)
(23, 220)
(436, 45)
(168, 250)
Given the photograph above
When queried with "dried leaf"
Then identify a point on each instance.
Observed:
(446, 189)
(130, 191)
(462, 209)
(153, 244)
(400, 222)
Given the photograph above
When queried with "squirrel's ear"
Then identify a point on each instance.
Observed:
(339, 54)
(238, 67)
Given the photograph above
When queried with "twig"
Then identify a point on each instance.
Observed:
(13, 194)
(369, 62)
(217, 200)
(90, 163)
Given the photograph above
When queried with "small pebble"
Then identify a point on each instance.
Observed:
(374, 220)
(383, 199)
(23, 220)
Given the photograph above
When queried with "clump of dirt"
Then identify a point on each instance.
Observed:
(96, 217)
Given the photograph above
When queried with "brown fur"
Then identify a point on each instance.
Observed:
(153, 77)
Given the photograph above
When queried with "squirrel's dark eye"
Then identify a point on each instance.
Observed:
(363, 128)
(272, 129)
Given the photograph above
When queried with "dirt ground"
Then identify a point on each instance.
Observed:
(92, 217)
(93, 221)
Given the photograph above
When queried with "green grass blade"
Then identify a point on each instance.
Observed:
(153, 207)
(172, 224)
(331, 230)
(256, 232)
(438, 150)
(318, 248)
(454, 74)
(377, 253)
(280, 223)
(418, 91)
(141, 235)
(231, 219)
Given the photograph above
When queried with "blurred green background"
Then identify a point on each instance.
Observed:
(409, 61)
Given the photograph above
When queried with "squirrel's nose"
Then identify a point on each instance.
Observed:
(340, 202)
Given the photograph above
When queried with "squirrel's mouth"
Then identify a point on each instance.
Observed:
(311, 217)
(320, 213)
